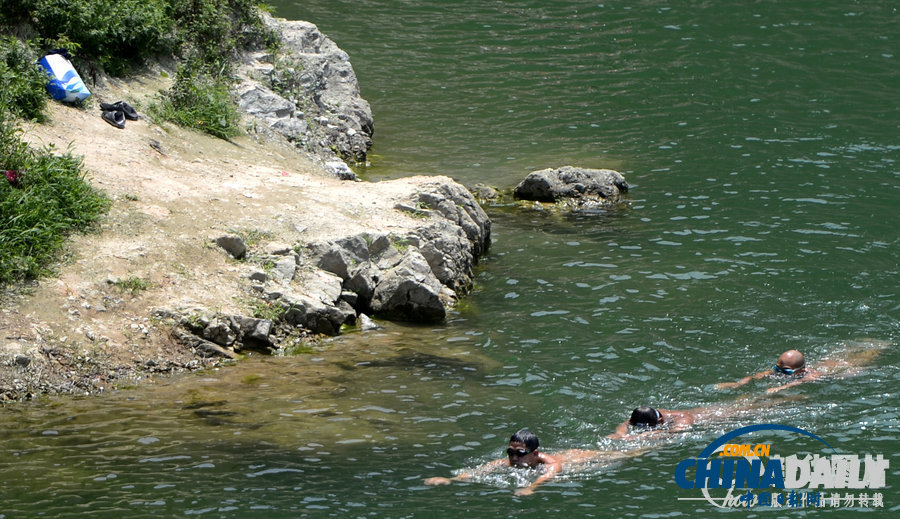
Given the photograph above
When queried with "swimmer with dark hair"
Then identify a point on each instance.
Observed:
(523, 453)
(646, 419)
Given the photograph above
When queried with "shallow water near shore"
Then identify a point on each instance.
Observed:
(761, 146)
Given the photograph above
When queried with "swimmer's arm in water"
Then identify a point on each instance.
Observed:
(552, 467)
(621, 432)
(745, 380)
(809, 377)
(487, 467)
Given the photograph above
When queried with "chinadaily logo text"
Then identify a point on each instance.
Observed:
(731, 473)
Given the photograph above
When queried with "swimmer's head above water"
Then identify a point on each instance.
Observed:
(646, 417)
(791, 362)
(523, 449)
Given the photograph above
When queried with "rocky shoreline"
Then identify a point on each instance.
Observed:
(162, 287)
(216, 249)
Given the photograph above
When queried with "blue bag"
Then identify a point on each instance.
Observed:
(64, 84)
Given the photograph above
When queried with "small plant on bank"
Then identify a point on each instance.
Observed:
(212, 33)
(402, 244)
(271, 310)
(253, 237)
(134, 285)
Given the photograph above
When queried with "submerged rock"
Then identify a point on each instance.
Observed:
(577, 187)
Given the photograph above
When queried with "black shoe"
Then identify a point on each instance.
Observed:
(121, 106)
(114, 117)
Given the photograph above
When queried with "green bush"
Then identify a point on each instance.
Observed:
(212, 32)
(23, 79)
(116, 34)
(48, 200)
(111, 33)
(202, 100)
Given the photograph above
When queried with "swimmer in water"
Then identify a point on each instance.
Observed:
(646, 419)
(792, 363)
(523, 453)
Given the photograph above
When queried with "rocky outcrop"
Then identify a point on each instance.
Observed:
(415, 276)
(573, 187)
(307, 92)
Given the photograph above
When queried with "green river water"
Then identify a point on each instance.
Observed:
(761, 141)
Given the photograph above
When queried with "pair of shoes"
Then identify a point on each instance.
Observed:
(114, 117)
(116, 113)
(121, 106)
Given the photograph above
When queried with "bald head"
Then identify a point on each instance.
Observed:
(791, 359)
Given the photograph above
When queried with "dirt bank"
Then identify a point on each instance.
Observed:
(173, 191)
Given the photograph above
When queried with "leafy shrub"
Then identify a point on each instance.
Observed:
(23, 79)
(111, 33)
(214, 29)
(46, 199)
(212, 32)
(201, 100)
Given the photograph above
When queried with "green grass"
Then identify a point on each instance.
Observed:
(212, 33)
(23, 79)
(49, 201)
(271, 310)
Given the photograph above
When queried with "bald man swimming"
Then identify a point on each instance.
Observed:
(792, 363)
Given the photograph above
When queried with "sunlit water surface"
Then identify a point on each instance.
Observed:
(761, 144)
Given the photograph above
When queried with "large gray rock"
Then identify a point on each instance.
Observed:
(409, 292)
(202, 347)
(363, 282)
(312, 313)
(578, 187)
(233, 245)
(457, 205)
(273, 110)
(415, 276)
(308, 92)
(339, 257)
(449, 254)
